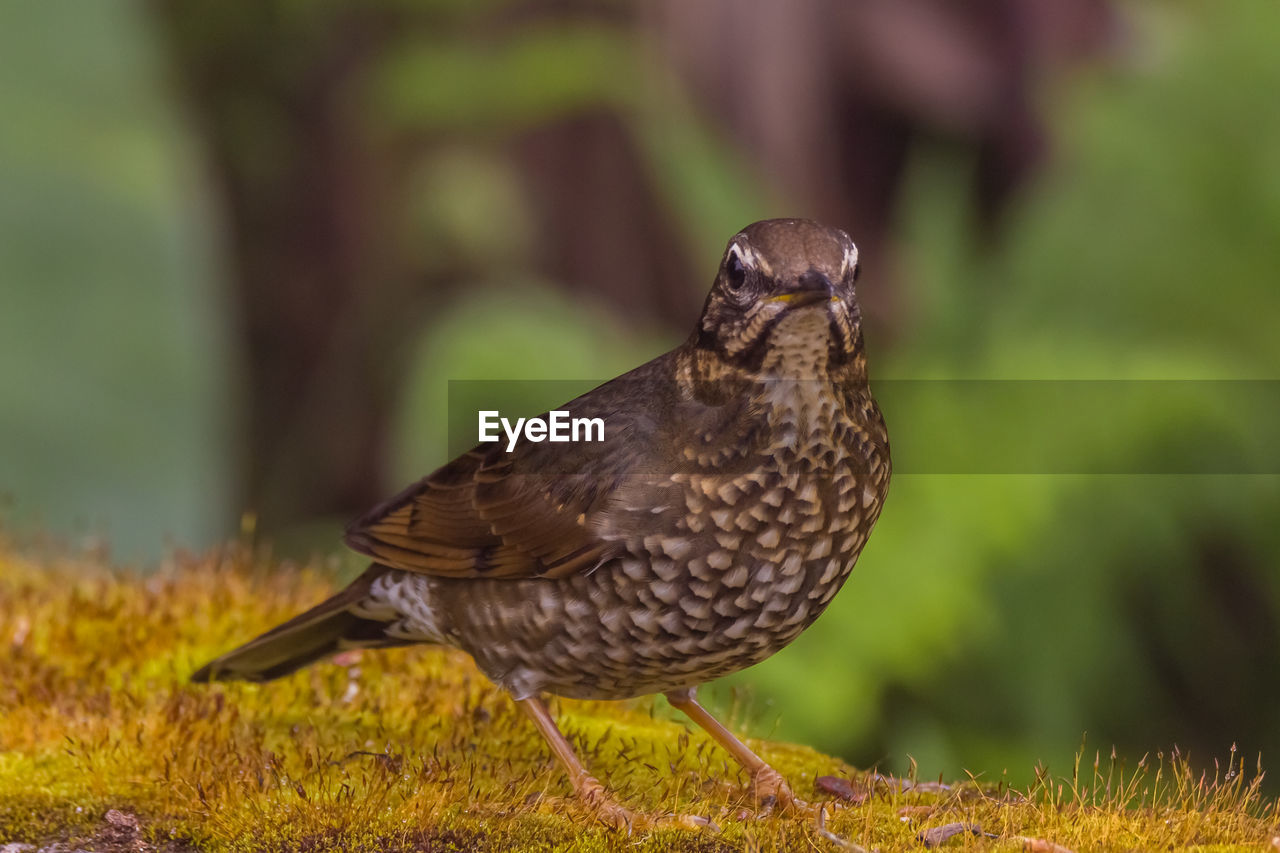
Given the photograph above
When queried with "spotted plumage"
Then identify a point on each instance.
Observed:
(739, 478)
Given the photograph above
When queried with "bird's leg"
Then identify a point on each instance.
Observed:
(585, 786)
(767, 784)
(588, 788)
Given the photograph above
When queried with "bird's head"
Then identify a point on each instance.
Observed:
(783, 302)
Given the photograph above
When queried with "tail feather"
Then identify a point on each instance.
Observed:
(325, 629)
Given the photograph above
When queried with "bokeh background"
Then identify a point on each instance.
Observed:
(245, 246)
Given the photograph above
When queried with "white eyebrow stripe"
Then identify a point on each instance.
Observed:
(758, 260)
(850, 259)
(750, 257)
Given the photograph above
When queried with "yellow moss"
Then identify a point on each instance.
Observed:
(415, 750)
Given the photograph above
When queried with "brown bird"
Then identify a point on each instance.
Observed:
(739, 477)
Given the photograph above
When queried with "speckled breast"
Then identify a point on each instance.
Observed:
(757, 557)
(737, 573)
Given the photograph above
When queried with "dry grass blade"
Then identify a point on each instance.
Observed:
(820, 824)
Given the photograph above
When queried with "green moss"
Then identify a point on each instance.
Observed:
(415, 750)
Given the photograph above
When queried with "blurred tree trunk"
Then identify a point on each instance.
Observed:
(304, 194)
(602, 228)
(326, 301)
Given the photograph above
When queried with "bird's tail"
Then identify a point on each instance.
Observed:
(325, 629)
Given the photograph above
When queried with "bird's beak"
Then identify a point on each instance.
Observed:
(811, 288)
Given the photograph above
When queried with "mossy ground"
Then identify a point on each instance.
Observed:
(104, 743)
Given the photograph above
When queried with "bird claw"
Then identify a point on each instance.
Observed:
(773, 793)
(613, 814)
(606, 809)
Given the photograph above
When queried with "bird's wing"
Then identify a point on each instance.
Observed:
(542, 510)
(476, 518)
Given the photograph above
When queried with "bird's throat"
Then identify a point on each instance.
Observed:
(799, 347)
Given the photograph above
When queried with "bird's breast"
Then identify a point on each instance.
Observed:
(757, 551)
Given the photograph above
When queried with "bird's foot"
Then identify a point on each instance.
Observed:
(607, 810)
(613, 814)
(773, 793)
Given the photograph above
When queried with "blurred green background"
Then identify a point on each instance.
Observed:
(244, 247)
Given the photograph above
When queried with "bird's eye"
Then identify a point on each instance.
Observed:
(735, 271)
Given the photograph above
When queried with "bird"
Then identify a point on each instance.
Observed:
(737, 480)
